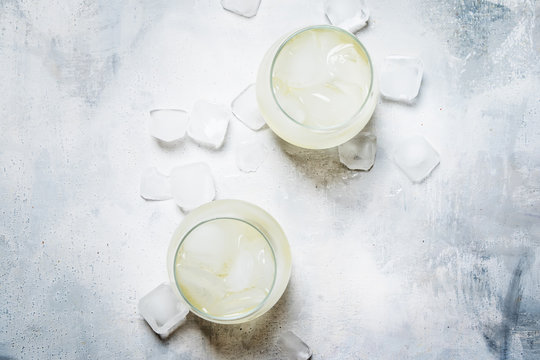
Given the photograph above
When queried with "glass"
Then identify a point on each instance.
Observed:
(246, 217)
(287, 126)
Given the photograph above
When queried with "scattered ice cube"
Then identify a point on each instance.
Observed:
(245, 108)
(401, 77)
(162, 310)
(192, 185)
(168, 124)
(245, 8)
(250, 155)
(292, 347)
(416, 157)
(208, 124)
(351, 15)
(359, 152)
(155, 185)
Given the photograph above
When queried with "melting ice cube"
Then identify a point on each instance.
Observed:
(292, 347)
(192, 185)
(416, 157)
(359, 152)
(209, 123)
(245, 108)
(245, 8)
(154, 185)
(401, 77)
(250, 155)
(162, 310)
(168, 124)
(351, 15)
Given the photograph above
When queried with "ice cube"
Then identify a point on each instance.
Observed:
(154, 185)
(201, 282)
(245, 8)
(241, 273)
(266, 276)
(162, 310)
(299, 66)
(250, 155)
(359, 152)
(317, 100)
(168, 124)
(292, 347)
(192, 185)
(416, 157)
(246, 109)
(401, 77)
(208, 123)
(206, 247)
(351, 15)
(292, 107)
(238, 303)
(345, 64)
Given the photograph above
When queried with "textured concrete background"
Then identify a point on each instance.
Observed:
(383, 269)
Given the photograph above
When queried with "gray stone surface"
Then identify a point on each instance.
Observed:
(383, 269)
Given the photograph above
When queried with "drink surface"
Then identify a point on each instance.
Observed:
(225, 268)
(321, 77)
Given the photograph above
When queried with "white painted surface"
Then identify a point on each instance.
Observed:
(383, 269)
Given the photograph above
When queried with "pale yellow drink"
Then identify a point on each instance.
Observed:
(225, 268)
(316, 88)
(230, 261)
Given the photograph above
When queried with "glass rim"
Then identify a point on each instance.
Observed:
(223, 318)
(358, 42)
